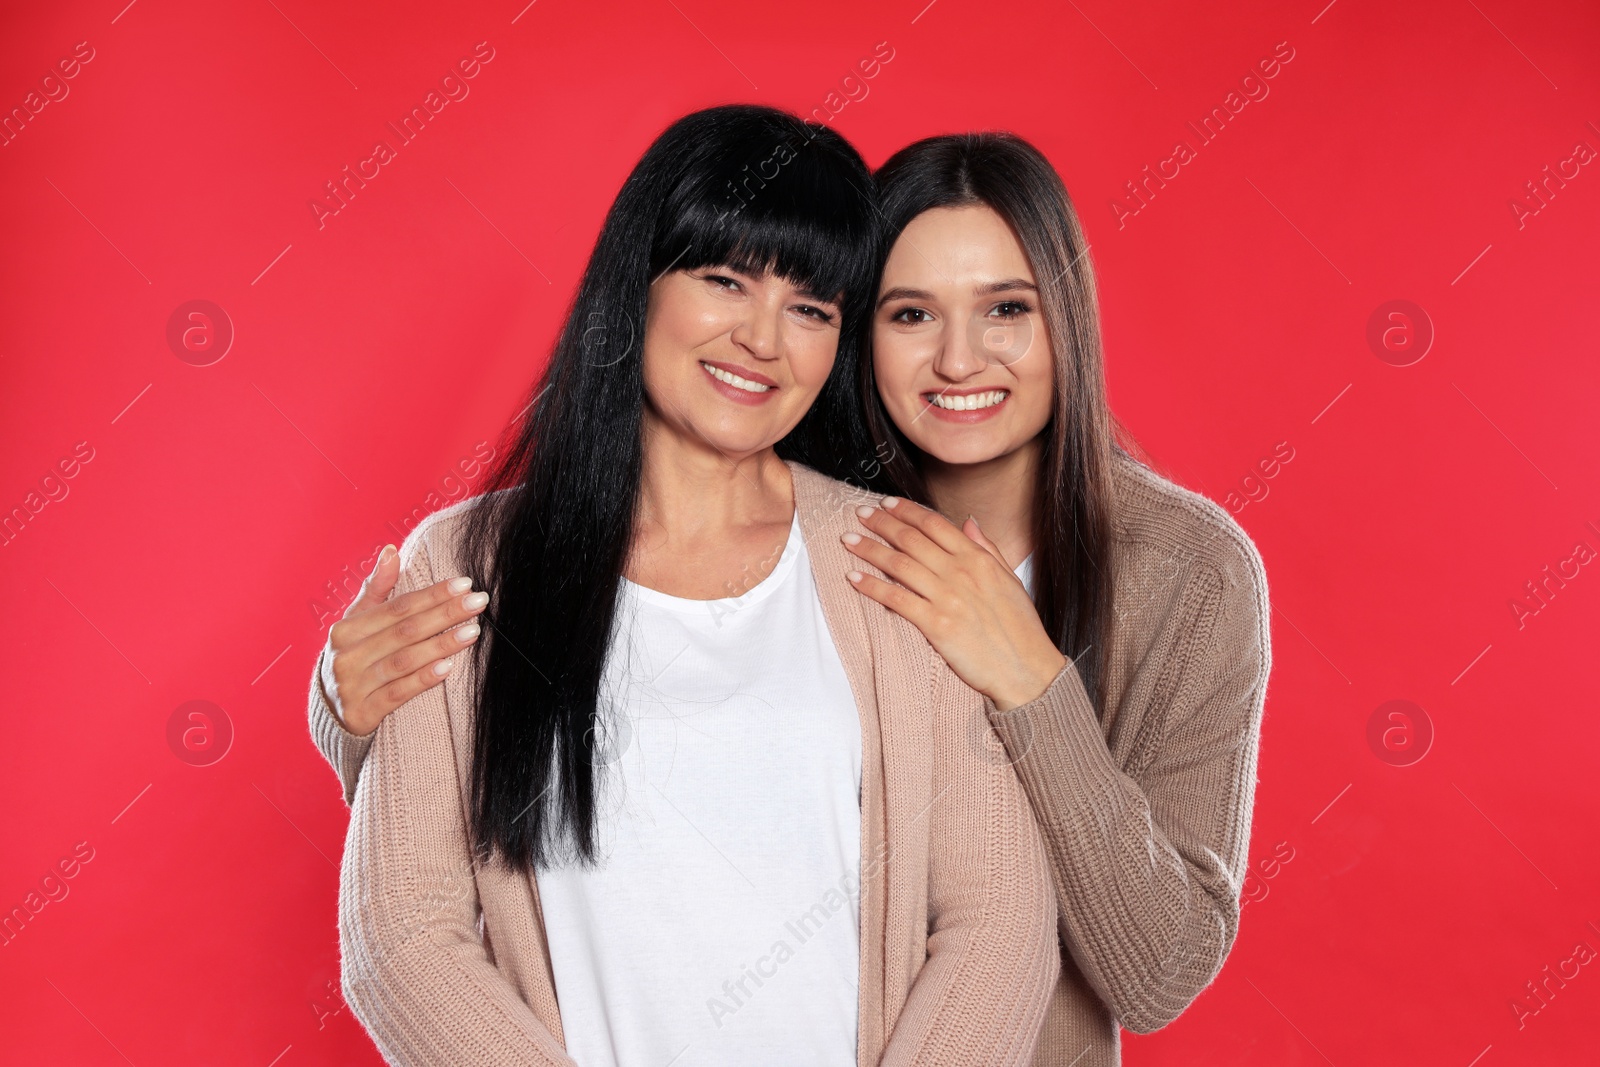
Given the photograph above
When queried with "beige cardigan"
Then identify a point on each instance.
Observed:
(959, 951)
(1147, 813)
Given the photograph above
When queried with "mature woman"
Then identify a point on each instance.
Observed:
(710, 805)
(1116, 623)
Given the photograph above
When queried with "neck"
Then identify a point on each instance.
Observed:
(1001, 493)
(690, 491)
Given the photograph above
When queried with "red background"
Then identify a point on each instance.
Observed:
(191, 556)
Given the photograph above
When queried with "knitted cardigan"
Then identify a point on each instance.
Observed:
(445, 962)
(1146, 810)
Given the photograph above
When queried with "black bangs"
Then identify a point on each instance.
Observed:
(785, 206)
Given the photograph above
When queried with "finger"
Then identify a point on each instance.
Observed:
(896, 564)
(405, 659)
(908, 539)
(397, 692)
(356, 628)
(901, 601)
(377, 586)
(938, 529)
(423, 624)
(981, 539)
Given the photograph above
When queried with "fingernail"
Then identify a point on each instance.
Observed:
(851, 538)
(442, 667)
(383, 556)
(468, 632)
(890, 501)
(460, 585)
(854, 576)
(474, 601)
(864, 511)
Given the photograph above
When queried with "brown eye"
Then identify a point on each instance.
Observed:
(814, 312)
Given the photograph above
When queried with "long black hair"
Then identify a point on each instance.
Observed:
(1073, 559)
(749, 187)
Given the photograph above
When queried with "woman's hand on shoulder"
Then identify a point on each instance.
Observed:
(954, 586)
(385, 651)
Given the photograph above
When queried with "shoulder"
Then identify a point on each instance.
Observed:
(437, 538)
(1170, 537)
(826, 505)
(826, 508)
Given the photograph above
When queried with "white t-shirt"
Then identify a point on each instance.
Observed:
(1024, 573)
(722, 923)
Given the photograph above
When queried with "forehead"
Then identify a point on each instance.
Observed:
(955, 245)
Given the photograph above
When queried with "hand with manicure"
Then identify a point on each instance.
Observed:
(953, 584)
(383, 652)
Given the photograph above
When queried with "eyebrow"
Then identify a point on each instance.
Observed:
(836, 301)
(1007, 285)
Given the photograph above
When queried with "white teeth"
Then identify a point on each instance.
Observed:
(734, 380)
(969, 402)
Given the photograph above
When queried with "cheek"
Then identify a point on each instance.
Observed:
(665, 361)
(655, 338)
(653, 347)
(812, 357)
(674, 328)
(1037, 383)
(679, 320)
(894, 364)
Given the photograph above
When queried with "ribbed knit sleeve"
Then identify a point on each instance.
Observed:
(414, 969)
(342, 749)
(992, 953)
(1148, 866)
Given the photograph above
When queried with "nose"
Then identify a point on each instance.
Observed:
(760, 329)
(957, 360)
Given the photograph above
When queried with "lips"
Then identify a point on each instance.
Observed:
(741, 377)
(738, 384)
(967, 406)
(971, 401)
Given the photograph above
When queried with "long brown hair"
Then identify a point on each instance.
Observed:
(1073, 559)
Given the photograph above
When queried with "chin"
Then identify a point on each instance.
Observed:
(740, 440)
(963, 450)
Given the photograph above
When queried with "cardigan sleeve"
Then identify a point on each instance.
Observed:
(1148, 866)
(343, 750)
(413, 967)
(993, 957)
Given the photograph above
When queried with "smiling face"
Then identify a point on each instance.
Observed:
(959, 347)
(732, 359)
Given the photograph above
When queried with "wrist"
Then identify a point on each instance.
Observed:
(333, 706)
(1029, 684)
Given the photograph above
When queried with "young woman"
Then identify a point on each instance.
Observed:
(709, 805)
(1116, 624)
